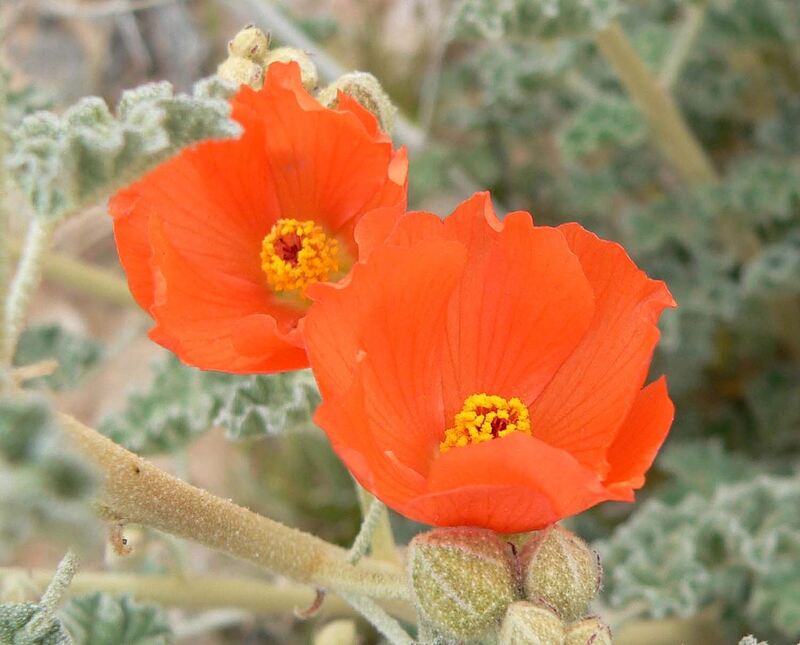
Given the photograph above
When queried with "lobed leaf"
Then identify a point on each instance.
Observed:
(64, 163)
(103, 619)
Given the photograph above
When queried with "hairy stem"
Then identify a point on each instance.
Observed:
(80, 276)
(362, 543)
(378, 618)
(682, 45)
(5, 224)
(666, 122)
(138, 492)
(26, 279)
(382, 541)
(202, 592)
(52, 597)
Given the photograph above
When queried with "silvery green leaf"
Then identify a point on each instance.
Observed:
(15, 626)
(75, 355)
(180, 404)
(103, 619)
(540, 18)
(775, 271)
(607, 123)
(269, 404)
(739, 548)
(64, 163)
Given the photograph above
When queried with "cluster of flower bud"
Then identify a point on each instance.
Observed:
(249, 55)
(472, 585)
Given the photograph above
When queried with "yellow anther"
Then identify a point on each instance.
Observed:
(295, 254)
(485, 417)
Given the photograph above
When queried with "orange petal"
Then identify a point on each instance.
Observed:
(199, 314)
(583, 406)
(347, 424)
(131, 217)
(640, 437)
(521, 306)
(516, 483)
(520, 309)
(386, 325)
(322, 164)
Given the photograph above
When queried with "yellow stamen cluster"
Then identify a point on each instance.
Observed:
(295, 254)
(485, 417)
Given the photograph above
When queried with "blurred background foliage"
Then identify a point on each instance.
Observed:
(511, 96)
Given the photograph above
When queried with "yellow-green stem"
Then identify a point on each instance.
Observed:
(201, 592)
(25, 281)
(682, 44)
(669, 128)
(80, 276)
(5, 224)
(138, 492)
(383, 545)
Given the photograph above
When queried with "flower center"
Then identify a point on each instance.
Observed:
(295, 254)
(485, 417)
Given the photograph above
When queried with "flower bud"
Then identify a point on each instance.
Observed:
(337, 632)
(250, 43)
(463, 580)
(561, 570)
(242, 71)
(365, 89)
(527, 623)
(589, 631)
(308, 70)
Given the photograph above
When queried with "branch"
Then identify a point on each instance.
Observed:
(202, 592)
(382, 540)
(24, 283)
(682, 45)
(81, 276)
(138, 492)
(98, 9)
(665, 120)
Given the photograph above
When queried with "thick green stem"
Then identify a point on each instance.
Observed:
(665, 120)
(136, 491)
(201, 592)
(26, 279)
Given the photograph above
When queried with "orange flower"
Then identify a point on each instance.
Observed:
(485, 373)
(220, 242)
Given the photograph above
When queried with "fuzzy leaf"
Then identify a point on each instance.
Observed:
(606, 123)
(15, 626)
(103, 619)
(740, 548)
(75, 355)
(543, 18)
(700, 467)
(764, 190)
(773, 397)
(268, 405)
(180, 404)
(776, 270)
(64, 163)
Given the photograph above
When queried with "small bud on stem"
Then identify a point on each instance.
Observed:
(463, 580)
(561, 570)
(528, 623)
